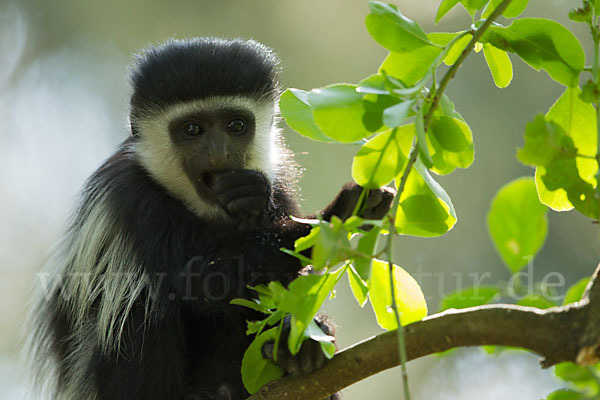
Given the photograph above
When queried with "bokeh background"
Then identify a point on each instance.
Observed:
(63, 109)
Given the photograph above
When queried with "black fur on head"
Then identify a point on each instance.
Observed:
(192, 69)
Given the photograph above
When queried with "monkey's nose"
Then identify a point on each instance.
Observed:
(218, 160)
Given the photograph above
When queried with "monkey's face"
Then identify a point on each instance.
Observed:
(211, 141)
(183, 146)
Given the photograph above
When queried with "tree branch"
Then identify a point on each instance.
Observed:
(558, 334)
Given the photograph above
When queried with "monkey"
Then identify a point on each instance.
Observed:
(191, 210)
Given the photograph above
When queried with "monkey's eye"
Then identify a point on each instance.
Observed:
(192, 129)
(236, 126)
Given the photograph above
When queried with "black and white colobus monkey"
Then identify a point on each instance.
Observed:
(193, 207)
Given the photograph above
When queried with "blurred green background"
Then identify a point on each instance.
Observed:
(63, 109)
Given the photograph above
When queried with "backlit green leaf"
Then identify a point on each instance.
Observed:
(450, 142)
(380, 159)
(421, 212)
(543, 44)
(393, 30)
(409, 297)
(514, 9)
(297, 113)
(359, 287)
(517, 223)
(257, 370)
(445, 6)
(338, 111)
(304, 297)
(578, 120)
(470, 297)
(535, 300)
(575, 292)
(499, 64)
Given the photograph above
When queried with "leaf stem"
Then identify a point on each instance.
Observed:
(477, 34)
(435, 95)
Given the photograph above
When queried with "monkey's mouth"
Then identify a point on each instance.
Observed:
(207, 179)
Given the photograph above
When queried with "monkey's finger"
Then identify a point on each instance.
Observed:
(242, 192)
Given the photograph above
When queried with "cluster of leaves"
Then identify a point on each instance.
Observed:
(407, 129)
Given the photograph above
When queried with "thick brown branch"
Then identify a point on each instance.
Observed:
(569, 333)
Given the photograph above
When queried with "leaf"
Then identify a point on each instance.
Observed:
(578, 120)
(422, 138)
(575, 292)
(425, 208)
(445, 6)
(249, 304)
(332, 245)
(297, 113)
(543, 140)
(543, 44)
(359, 287)
(395, 115)
(393, 30)
(304, 297)
(499, 64)
(535, 300)
(380, 159)
(566, 394)
(514, 9)
(567, 371)
(366, 245)
(470, 297)
(517, 223)
(450, 142)
(257, 370)
(326, 341)
(338, 111)
(457, 48)
(308, 241)
(410, 301)
(473, 6)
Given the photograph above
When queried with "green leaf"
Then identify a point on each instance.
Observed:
(535, 300)
(425, 208)
(470, 297)
(304, 297)
(578, 120)
(380, 159)
(575, 292)
(249, 304)
(450, 142)
(514, 9)
(568, 371)
(297, 113)
(360, 290)
(445, 6)
(393, 30)
(517, 223)
(499, 64)
(543, 44)
(326, 341)
(308, 241)
(422, 138)
(338, 111)
(543, 140)
(472, 6)
(395, 115)
(366, 245)
(457, 48)
(450, 133)
(257, 370)
(566, 394)
(409, 297)
(332, 246)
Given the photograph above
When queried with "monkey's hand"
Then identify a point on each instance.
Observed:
(374, 206)
(310, 357)
(243, 194)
